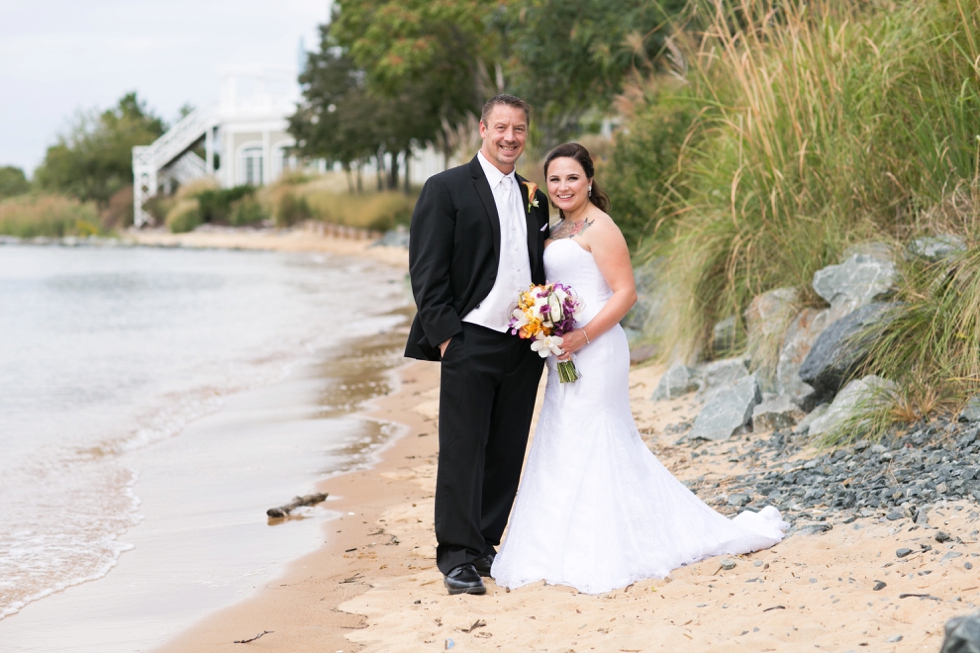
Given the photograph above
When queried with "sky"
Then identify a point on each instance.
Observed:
(61, 56)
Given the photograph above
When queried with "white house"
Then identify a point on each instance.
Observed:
(244, 137)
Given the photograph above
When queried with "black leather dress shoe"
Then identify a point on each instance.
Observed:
(464, 580)
(483, 564)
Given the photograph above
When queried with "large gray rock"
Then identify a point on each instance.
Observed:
(721, 374)
(800, 336)
(776, 413)
(842, 347)
(936, 248)
(856, 282)
(859, 393)
(962, 634)
(677, 381)
(766, 320)
(647, 313)
(724, 335)
(971, 412)
(728, 411)
(769, 314)
(804, 426)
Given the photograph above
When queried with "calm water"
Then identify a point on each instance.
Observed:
(106, 355)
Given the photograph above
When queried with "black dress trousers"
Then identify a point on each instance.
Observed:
(488, 386)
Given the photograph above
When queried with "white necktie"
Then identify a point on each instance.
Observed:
(507, 194)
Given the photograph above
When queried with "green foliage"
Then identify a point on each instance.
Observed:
(394, 74)
(54, 216)
(835, 123)
(13, 182)
(216, 203)
(352, 111)
(94, 159)
(247, 211)
(184, 216)
(569, 56)
(288, 206)
(640, 172)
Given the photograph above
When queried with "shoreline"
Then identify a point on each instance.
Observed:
(292, 240)
(300, 607)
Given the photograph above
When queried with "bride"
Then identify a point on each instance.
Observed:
(596, 510)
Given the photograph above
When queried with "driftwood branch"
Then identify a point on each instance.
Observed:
(308, 500)
(246, 641)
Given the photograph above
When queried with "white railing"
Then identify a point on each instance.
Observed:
(171, 150)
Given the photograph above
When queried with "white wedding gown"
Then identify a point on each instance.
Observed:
(596, 510)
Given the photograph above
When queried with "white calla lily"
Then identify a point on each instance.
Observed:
(547, 345)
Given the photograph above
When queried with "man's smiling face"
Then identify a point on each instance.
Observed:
(504, 134)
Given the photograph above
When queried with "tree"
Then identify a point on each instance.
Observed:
(343, 118)
(13, 182)
(427, 59)
(94, 159)
(570, 56)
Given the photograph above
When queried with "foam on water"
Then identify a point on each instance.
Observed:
(107, 351)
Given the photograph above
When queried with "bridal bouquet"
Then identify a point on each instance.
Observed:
(544, 314)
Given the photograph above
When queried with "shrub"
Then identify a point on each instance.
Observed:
(119, 213)
(378, 211)
(13, 182)
(29, 216)
(639, 174)
(288, 206)
(247, 211)
(216, 203)
(184, 216)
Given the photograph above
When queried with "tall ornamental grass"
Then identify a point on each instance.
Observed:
(815, 126)
(54, 216)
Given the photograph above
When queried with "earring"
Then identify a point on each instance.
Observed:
(590, 190)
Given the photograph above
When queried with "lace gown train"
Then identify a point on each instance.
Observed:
(596, 510)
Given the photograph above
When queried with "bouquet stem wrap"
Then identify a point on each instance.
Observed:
(543, 315)
(567, 372)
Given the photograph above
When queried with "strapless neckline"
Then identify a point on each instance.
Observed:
(568, 240)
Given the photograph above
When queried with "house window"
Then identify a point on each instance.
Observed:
(252, 166)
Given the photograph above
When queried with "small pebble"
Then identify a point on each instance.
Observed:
(880, 585)
(904, 551)
(727, 565)
(968, 565)
(893, 640)
(942, 536)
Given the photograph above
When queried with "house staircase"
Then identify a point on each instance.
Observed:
(170, 159)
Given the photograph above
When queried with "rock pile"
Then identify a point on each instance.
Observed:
(818, 351)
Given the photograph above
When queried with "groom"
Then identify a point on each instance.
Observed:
(477, 242)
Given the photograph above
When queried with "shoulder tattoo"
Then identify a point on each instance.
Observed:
(566, 229)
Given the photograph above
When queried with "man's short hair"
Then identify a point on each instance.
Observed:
(509, 100)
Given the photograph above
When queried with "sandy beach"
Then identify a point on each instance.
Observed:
(293, 240)
(373, 585)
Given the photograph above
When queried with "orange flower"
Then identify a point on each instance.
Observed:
(532, 189)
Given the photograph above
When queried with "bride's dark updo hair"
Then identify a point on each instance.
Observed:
(580, 154)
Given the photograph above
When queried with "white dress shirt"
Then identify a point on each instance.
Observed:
(514, 266)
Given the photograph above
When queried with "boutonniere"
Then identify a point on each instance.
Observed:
(532, 191)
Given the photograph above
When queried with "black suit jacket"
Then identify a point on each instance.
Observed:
(454, 251)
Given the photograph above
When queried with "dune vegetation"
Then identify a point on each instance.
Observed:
(783, 133)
